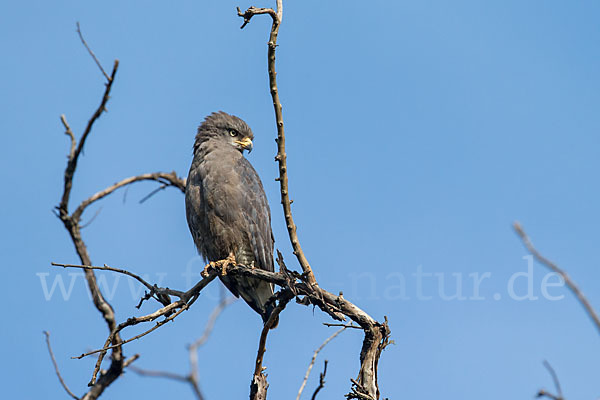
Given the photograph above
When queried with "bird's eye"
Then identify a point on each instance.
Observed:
(233, 133)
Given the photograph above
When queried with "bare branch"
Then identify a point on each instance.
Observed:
(152, 193)
(314, 358)
(252, 11)
(321, 381)
(74, 154)
(259, 385)
(544, 393)
(376, 334)
(70, 134)
(74, 229)
(284, 297)
(346, 326)
(167, 179)
(159, 374)
(130, 322)
(130, 360)
(211, 323)
(91, 219)
(555, 268)
(281, 157)
(92, 53)
(193, 377)
(62, 382)
(105, 268)
(168, 311)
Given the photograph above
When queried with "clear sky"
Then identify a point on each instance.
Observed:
(418, 131)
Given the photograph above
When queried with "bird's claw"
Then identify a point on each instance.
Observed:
(207, 268)
(220, 266)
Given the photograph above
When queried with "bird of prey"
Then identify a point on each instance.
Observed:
(227, 209)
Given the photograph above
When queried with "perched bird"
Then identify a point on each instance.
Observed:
(227, 209)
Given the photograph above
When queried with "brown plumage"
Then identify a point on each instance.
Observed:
(226, 206)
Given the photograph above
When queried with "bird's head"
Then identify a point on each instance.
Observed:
(225, 129)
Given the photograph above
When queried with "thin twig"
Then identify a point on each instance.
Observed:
(70, 134)
(210, 325)
(321, 382)
(559, 394)
(62, 382)
(74, 229)
(376, 334)
(543, 393)
(193, 377)
(159, 374)
(74, 153)
(314, 358)
(130, 360)
(106, 268)
(92, 219)
(555, 268)
(344, 325)
(120, 344)
(92, 53)
(259, 385)
(284, 297)
(152, 193)
(167, 179)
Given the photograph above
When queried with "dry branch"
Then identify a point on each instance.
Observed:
(74, 229)
(376, 334)
(555, 268)
(259, 385)
(56, 369)
(314, 358)
(192, 378)
(281, 157)
(321, 381)
(71, 223)
(554, 376)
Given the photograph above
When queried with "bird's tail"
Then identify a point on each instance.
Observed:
(255, 292)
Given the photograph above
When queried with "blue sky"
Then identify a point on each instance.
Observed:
(417, 133)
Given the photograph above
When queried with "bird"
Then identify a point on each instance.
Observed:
(227, 209)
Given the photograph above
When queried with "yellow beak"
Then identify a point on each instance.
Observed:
(245, 144)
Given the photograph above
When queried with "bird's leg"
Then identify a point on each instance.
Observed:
(230, 260)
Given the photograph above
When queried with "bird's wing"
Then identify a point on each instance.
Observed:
(257, 215)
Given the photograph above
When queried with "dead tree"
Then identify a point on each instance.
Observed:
(299, 286)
